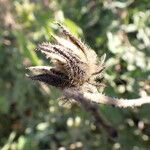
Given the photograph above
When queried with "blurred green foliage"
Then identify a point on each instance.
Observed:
(30, 117)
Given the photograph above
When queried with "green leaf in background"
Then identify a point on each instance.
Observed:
(27, 48)
(25, 143)
(73, 27)
(30, 116)
(4, 105)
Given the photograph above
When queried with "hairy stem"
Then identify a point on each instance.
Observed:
(94, 110)
(103, 99)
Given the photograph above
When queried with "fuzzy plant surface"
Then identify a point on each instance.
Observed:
(74, 64)
(76, 68)
(78, 72)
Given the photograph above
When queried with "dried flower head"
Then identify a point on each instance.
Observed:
(75, 65)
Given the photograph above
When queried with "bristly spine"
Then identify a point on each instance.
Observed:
(74, 63)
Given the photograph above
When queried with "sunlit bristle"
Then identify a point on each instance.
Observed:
(74, 63)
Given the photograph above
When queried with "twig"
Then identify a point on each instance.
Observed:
(93, 109)
(102, 99)
(85, 100)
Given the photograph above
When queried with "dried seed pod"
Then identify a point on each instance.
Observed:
(74, 63)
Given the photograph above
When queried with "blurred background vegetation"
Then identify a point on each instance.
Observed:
(30, 116)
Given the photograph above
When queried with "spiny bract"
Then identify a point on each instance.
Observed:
(74, 64)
